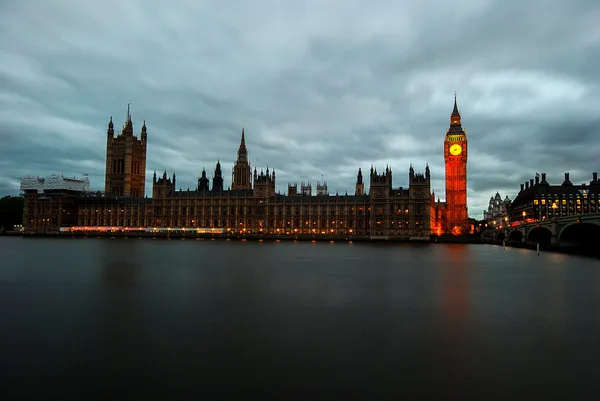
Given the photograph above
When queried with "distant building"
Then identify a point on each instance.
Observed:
(497, 213)
(538, 200)
(51, 202)
(52, 183)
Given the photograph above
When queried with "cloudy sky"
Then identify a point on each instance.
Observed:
(321, 87)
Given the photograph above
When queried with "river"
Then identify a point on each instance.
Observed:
(129, 318)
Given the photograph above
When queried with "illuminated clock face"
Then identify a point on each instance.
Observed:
(455, 149)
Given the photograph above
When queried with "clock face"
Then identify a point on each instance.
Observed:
(455, 149)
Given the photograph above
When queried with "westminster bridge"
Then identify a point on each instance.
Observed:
(581, 231)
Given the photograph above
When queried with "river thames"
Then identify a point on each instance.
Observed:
(133, 318)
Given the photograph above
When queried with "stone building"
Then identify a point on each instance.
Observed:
(252, 206)
(386, 212)
(538, 200)
(496, 214)
(52, 202)
(455, 215)
(125, 161)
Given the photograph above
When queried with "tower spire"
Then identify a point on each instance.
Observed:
(455, 116)
(242, 151)
(129, 111)
(455, 112)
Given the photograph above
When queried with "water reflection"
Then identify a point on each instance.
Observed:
(455, 288)
(118, 314)
(453, 319)
(555, 294)
(118, 263)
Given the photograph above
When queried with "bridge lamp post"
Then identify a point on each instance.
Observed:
(524, 214)
(554, 207)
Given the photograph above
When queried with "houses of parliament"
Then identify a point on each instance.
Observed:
(251, 205)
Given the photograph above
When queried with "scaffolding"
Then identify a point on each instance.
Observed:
(54, 183)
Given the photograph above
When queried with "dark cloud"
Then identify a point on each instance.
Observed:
(321, 87)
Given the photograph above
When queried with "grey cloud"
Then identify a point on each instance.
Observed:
(321, 87)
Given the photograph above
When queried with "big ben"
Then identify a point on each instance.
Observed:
(455, 158)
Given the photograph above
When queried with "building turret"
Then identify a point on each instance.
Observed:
(264, 184)
(360, 186)
(241, 174)
(218, 178)
(306, 188)
(163, 187)
(144, 134)
(203, 182)
(380, 186)
(418, 179)
(595, 182)
(110, 132)
(322, 189)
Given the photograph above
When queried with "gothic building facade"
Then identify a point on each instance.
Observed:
(496, 214)
(125, 161)
(455, 160)
(252, 206)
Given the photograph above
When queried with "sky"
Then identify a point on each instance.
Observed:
(321, 88)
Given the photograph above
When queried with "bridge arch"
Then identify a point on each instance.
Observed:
(501, 236)
(580, 235)
(540, 235)
(515, 236)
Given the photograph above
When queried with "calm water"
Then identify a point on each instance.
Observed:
(121, 318)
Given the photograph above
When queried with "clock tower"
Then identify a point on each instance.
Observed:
(455, 158)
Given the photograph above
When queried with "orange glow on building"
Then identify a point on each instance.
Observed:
(455, 158)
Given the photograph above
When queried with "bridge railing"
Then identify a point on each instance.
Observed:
(576, 217)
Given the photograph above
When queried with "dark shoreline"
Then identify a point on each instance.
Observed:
(315, 238)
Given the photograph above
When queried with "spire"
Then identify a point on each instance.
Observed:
(455, 117)
(129, 111)
(455, 125)
(110, 131)
(242, 151)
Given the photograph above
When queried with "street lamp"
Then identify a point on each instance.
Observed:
(554, 207)
(524, 214)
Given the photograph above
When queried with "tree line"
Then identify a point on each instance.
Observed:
(11, 212)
